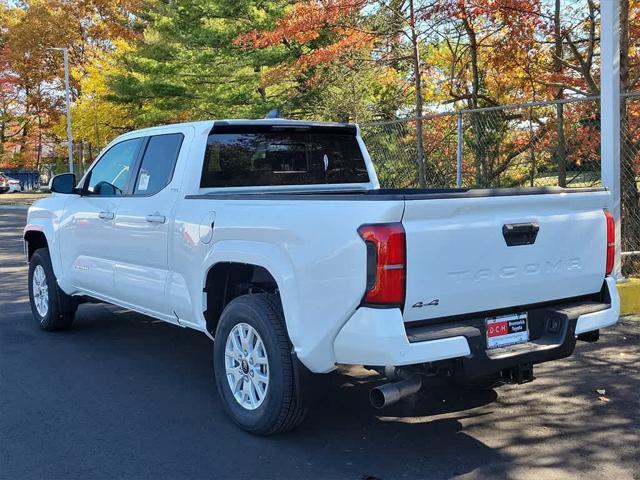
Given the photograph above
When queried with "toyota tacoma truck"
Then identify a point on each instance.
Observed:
(274, 238)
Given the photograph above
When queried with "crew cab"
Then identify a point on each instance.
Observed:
(274, 238)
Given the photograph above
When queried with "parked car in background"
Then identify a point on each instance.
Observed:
(9, 185)
(4, 183)
(275, 238)
(15, 185)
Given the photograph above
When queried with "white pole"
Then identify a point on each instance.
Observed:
(67, 87)
(610, 112)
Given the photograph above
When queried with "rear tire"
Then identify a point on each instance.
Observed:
(51, 307)
(254, 368)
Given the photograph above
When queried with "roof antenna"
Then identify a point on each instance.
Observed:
(275, 113)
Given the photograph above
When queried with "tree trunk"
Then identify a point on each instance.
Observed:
(396, 24)
(39, 148)
(2, 136)
(82, 158)
(96, 128)
(477, 121)
(422, 170)
(629, 196)
(561, 149)
(475, 72)
(560, 153)
(532, 152)
(22, 139)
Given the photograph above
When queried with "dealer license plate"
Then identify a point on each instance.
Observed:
(507, 330)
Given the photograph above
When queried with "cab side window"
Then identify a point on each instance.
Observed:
(111, 174)
(158, 162)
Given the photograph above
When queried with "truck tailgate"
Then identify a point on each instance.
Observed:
(459, 260)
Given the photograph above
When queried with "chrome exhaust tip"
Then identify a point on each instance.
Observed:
(390, 393)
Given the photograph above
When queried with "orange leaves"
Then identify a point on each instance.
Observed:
(276, 75)
(324, 30)
(303, 24)
(347, 40)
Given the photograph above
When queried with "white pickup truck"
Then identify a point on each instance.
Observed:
(274, 238)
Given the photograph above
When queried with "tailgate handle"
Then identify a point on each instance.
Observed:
(516, 234)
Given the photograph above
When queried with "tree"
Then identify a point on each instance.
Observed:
(10, 115)
(558, 68)
(185, 65)
(96, 119)
(30, 30)
(311, 39)
(477, 43)
(328, 32)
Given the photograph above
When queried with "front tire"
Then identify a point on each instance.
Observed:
(51, 307)
(253, 366)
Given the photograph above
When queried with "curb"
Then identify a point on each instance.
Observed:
(629, 297)
(14, 207)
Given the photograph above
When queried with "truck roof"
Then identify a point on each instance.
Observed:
(205, 126)
(283, 122)
(248, 122)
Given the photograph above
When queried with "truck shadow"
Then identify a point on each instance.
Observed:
(343, 434)
(419, 437)
(147, 392)
(437, 396)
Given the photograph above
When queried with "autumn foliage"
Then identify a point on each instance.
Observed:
(140, 63)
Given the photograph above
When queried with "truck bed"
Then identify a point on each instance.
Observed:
(459, 258)
(387, 194)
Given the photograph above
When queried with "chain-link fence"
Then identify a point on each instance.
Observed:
(630, 182)
(520, 145)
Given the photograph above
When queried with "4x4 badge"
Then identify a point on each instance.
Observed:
(432, 303)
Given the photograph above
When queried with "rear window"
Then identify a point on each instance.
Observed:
(244, 158)
(158, 163)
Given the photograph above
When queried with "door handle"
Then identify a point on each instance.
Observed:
(106, 215)
(156, 218)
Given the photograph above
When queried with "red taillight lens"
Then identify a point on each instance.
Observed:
(386, 263)
(611, 241)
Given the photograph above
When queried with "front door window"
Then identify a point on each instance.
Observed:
(111, 175)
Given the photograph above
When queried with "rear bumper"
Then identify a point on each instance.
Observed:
(605, 318)
(378, 337)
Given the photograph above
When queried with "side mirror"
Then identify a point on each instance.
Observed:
(64, 183)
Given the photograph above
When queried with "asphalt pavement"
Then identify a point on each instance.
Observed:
(121, 395)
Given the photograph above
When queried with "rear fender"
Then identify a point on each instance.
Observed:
(269, 257)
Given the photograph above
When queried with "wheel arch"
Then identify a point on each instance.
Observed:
(234, 268)
(228, 280)
(40, 234)
(34, 238)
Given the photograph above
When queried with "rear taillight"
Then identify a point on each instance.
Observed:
(386, 264)
(611, 241)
